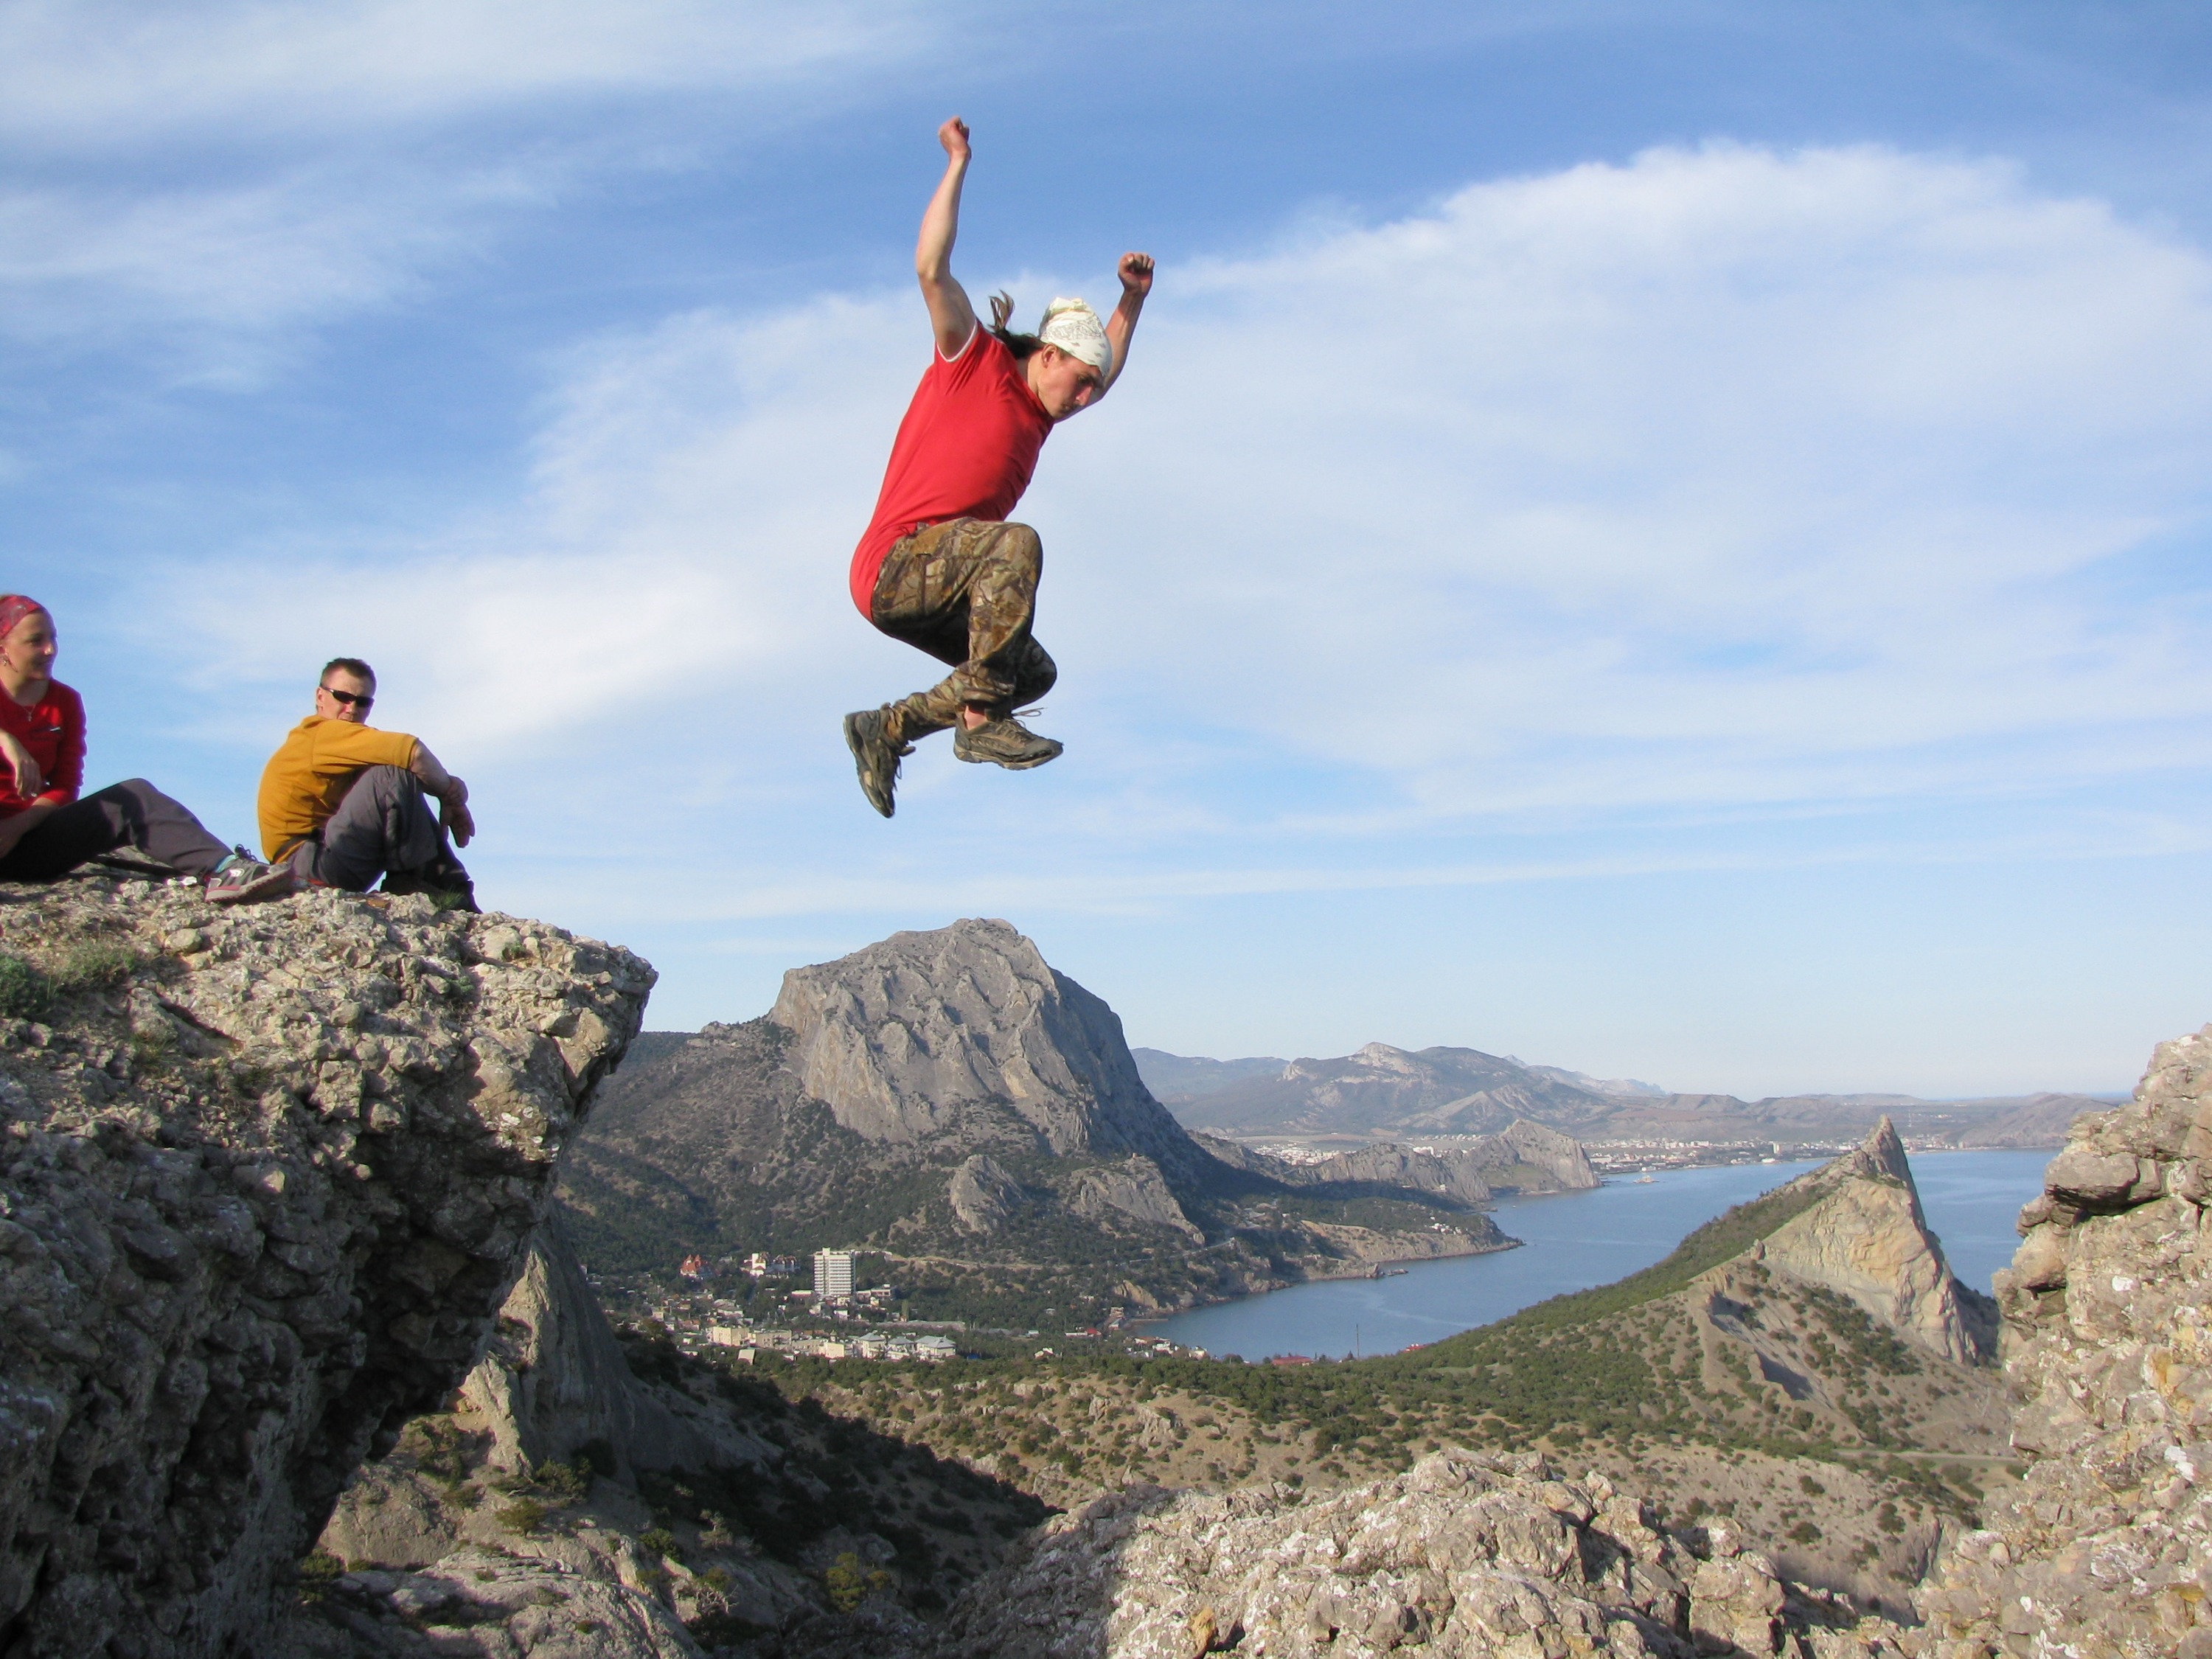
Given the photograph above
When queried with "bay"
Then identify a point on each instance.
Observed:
(1572, 1241)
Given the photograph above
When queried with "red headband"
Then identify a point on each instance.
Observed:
(14, 607)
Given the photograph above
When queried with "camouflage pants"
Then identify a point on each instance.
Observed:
(964, 591)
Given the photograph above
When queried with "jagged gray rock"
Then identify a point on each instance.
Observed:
(1867, 1239)
(265, 1176)
(888, 1038)
(2106, 1553)
(1463, 1557)
(553, 1380)
(982, 1194)
(1134, 1188)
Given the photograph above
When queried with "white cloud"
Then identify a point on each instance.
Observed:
(218, 177)
(82, 74)
(1721, 476)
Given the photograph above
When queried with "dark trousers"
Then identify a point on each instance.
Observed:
(133, 813)
(384, 823)
(965, 591)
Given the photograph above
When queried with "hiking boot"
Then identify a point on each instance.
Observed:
(243, 881)
(876, 755)
(443, 881)
(1005, 743)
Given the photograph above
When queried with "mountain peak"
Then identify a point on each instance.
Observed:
(909, 1036)
(1866, 1237)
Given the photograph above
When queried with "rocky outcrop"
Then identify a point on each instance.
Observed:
(1530, 1157)
(1462, 1555)
(553, 1381)
(983, 1195)
(1867, 1239)
(265, 1176)
(1455, 1174)
(904, 1040)
(1134, 1188)
(2106, 1551)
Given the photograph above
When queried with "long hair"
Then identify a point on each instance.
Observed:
(1002, 307)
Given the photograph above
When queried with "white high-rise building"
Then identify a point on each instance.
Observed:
(833, 1274)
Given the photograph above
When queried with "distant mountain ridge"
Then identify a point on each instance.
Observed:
(1384, 1092)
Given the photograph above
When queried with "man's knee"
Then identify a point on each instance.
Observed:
(1019, 548)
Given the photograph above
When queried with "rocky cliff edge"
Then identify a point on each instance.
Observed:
(2106, 1551)
(264, 1178)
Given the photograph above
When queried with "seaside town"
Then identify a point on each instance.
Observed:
(833, 1318)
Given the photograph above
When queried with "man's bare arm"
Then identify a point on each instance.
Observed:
(1136, 273)
(452, 794)
(950, 313)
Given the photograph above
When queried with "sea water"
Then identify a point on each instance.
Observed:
(1572, 1241)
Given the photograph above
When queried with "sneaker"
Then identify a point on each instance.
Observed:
(1005, 743)
(243, 881)
(875, 755)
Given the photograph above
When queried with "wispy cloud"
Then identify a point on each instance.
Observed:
(215, 178)
(82, 75)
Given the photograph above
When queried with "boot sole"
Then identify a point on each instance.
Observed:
(854, 742)
(1011, 765)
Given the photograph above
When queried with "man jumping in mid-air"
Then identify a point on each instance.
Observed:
(939, 567)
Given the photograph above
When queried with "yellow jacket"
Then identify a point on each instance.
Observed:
(308, 777)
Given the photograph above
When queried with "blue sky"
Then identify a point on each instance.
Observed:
(1669, 540)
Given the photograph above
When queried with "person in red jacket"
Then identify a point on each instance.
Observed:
(940, 567)
(45, 830)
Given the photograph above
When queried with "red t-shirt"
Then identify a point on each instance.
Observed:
(965, 449)
(53, 729)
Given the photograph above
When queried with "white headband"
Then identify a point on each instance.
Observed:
(1074, 328)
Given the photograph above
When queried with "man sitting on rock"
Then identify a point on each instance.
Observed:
(343, 803)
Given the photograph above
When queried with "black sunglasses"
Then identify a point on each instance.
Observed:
(348, 699)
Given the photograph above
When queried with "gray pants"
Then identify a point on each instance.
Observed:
(385, 822)
(132, 813)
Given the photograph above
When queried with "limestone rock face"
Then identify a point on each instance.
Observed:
(1457, 1175)
(901, 1040)
(1531, 1158)
(553, 1380)
(266, 1176)
(1136, 1189)
(1460, 1556)
(2106, 1551)
(984, 1195)
(1867, 1239)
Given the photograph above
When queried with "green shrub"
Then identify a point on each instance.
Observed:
(850, 1583)
(657, 1540)
(566, 1483)
(320, 1567)
(93, 965)
(25, 992)
(525, 1515)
